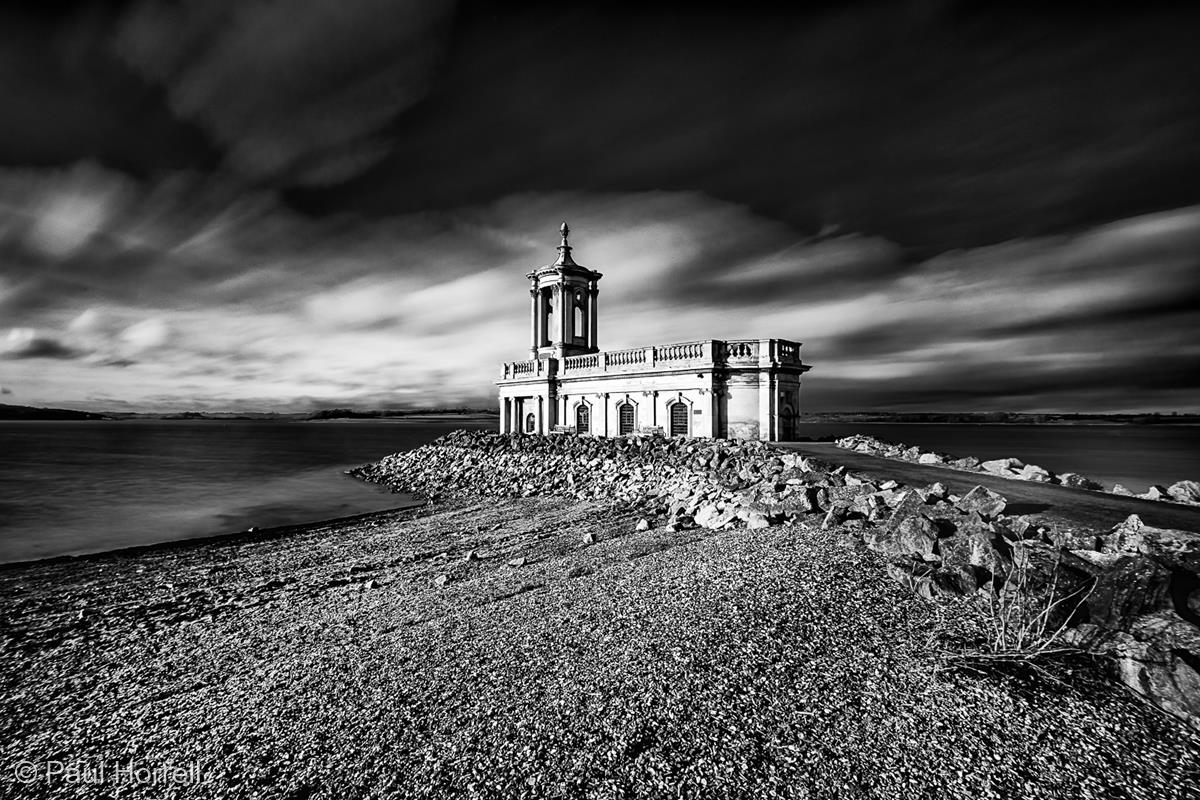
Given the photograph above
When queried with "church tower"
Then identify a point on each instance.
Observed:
(562, 306)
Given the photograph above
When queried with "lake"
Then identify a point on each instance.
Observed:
(79, 487)
(86, 486)
(1133, 455)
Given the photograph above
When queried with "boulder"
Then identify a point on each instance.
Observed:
(1032, 472)
(833, 517)
(914, 536)
(757, 519)
(916, 577)
(1124, 586)
(933, 493)
(1185, 492)
(1006, 467)
(1121, 490)
(930, 458)
(1126, 537)
(1077, 481)
(982, 501)
(967, 463)
(970, 547)
(1155, 492)
(1156, 657)
(643, 524)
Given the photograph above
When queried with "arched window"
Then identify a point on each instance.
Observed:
(680, 418)
(625, 418)
(579, 333)
(530, 423)
(583, 419)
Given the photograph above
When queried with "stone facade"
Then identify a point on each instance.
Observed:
(743, 388)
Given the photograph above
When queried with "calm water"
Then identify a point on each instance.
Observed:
(1133, 455)
(76, 487)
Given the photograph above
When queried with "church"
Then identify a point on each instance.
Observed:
(740, 388)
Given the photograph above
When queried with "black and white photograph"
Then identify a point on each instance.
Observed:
(599, 400)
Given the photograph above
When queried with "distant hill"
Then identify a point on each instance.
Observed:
(28, 412)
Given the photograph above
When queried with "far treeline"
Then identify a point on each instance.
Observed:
(346, 413)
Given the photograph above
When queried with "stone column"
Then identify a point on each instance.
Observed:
(533, 320)
(593, 297)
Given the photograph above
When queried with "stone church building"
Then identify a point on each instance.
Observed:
(741, 388)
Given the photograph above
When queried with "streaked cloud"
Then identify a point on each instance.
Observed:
(176, 299)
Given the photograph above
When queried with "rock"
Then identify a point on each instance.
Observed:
(1126, 586)
(757, 520)
(930, 458)
(1155, 492)
(1126, 537)
(914, 536)
(643, 524)
(1032, 472)
(1121, 490)
(914, 577)
(590, 538)
(1002, 466)
(1077, 481)
(371, 584)
(1185, 492)
(972, 543)
(833, 517)
(472, 555)
(1156, 658)
(518, 562)
(967, 463)
(442, 580)
(933, 493)
(982, 501)
(706, 515)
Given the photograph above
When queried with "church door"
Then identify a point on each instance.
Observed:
(625, 416)
(679, 419)
(583, 420)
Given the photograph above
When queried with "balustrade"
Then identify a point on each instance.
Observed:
(683, 355)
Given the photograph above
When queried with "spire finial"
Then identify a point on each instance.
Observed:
(564, 249)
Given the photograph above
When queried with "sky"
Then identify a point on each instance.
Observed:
(298, 204)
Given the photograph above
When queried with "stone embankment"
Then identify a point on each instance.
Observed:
(1187, 492)
(1131, 593)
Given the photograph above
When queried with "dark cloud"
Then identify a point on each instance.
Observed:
(23, 343)
(932, 130)
(297, 90)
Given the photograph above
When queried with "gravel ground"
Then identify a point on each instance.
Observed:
(419, 656)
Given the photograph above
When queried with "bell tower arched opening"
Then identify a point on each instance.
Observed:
(563, 312)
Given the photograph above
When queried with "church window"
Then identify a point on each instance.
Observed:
(583, 419)
(679, 419)
(530, 423)
(625, 418)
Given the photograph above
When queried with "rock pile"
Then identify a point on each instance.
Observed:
(1133, 593)
(1180, 492)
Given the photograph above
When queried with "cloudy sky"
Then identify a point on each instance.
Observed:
(291, 204)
